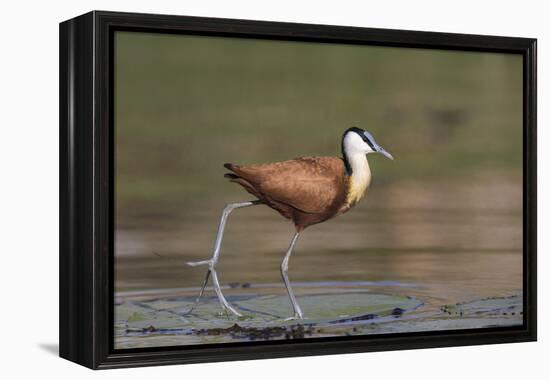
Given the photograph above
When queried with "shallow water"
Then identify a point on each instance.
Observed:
(420, 259)
(331, 309)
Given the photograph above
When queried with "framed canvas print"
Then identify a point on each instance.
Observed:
(237, 189)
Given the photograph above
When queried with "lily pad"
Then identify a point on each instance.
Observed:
(177, 320)
(182, 316)
(489, 307)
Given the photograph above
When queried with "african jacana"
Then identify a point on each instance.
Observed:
(306, 190)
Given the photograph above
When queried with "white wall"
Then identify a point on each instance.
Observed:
(29, 168)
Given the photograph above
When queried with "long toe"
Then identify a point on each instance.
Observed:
(230, 309)
(197, 263)
(295, 317)
(236, 313)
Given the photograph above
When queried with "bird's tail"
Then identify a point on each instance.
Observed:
(235, 177)
(231, 167)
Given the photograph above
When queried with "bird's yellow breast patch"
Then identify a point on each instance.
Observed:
(357, 188)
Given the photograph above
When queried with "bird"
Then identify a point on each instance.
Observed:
(306, 190)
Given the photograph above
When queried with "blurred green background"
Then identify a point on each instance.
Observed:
(447, 208)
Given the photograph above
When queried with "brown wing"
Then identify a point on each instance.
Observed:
(309, 184)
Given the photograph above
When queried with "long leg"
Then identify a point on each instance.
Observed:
(284, 273)
(215, 257)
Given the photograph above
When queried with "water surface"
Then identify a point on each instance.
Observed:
(422, 261)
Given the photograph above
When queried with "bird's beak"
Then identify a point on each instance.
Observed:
(383, 152)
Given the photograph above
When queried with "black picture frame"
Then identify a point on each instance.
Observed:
(86, 188)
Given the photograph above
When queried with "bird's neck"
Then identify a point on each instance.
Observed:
(359, 176)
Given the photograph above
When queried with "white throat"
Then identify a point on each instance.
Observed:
(355, 154)
(359, 165)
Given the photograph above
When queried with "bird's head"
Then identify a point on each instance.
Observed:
(355, 140)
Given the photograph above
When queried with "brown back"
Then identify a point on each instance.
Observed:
(314, 185)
